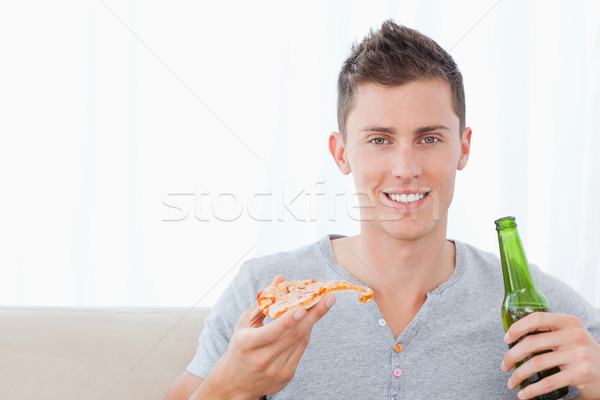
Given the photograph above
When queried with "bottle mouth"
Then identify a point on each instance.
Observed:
(506, 222)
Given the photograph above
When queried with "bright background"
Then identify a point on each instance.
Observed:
(148, 148)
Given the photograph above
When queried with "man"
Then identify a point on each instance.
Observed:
(434, 328)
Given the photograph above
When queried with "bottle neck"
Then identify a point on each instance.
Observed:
(515, 267)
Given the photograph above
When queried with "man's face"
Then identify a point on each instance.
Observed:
(403, 147)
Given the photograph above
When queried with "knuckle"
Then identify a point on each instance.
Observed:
(579, 336)
(536, 318)
(510, 357)
(582, 355)
(241, 342)
(573, 320)
(270, 336)
(585, 370)
(543, 386)
(283, 375)
(304, 341)
(517, 377)
(296, 335)
(260, 363)
(536, 363)
(528, 341)
(547, 384)
(242, 346)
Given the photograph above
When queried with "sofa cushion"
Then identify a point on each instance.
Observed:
(95, 353)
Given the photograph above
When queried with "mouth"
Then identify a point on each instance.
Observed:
(406, 198)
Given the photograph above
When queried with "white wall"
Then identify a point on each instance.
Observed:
(148, 148)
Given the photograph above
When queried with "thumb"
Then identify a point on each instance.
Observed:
(252, 317)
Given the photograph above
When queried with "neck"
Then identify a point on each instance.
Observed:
(416, 265)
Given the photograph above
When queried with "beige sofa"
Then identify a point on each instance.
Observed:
(92, 353)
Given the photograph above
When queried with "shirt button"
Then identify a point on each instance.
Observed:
(381, 322)
(397, 372)
(398, 347)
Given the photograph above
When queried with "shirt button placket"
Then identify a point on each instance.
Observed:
(396, 371)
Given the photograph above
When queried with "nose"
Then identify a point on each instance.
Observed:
(406, 164)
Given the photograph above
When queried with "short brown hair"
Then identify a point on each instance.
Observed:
(395, 55)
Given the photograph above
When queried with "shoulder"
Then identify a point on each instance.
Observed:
(474, 255)
(489, 264)
(485, 267)
(306, 262)
(562, 297)
(311, 259)
(478, 263)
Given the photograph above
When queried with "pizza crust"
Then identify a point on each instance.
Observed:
(275, 300)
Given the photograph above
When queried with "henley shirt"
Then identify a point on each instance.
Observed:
(452, 349)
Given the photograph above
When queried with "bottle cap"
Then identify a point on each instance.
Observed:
(506, 222)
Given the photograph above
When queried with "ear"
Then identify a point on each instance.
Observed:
(465, 148)
(337, 148)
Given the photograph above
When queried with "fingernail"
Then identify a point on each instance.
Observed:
(521, 394)
(503, 366)
(299, 314)
(330, 301)
(509, 383)
(506, 337)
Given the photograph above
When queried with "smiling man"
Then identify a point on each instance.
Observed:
(403, 146)
(434, 328)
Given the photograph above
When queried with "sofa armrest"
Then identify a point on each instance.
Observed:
(95, 353)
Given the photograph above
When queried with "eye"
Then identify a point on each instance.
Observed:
(430, 140)
(378, 140)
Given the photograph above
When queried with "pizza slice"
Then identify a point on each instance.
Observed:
(275, 300)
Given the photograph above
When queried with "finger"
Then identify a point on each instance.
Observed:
(284, 340)
(534, 343)
(317, 312)
(251, 317)
(274, 330)
(295, 354)
(538, 321)
(320, 309)
(538, 363)
(299, 334)
(546, 385)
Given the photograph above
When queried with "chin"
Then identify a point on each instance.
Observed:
(409, 228)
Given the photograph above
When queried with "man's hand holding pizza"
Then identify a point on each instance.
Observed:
(262, 359)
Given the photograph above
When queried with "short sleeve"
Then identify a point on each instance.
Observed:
(221, 322)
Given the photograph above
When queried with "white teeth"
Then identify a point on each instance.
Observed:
(403, 198)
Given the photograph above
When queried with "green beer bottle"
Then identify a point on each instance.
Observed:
(521, 297)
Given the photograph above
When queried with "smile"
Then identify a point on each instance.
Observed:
(406, 198)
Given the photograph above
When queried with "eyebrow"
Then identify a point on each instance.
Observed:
(392, 131)
(431, 128)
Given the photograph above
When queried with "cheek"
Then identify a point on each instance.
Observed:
(443, 172)
(367, 177)
(448, 186)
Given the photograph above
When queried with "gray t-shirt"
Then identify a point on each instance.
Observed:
(452, 348)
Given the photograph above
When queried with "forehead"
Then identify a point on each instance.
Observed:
(408, 106)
